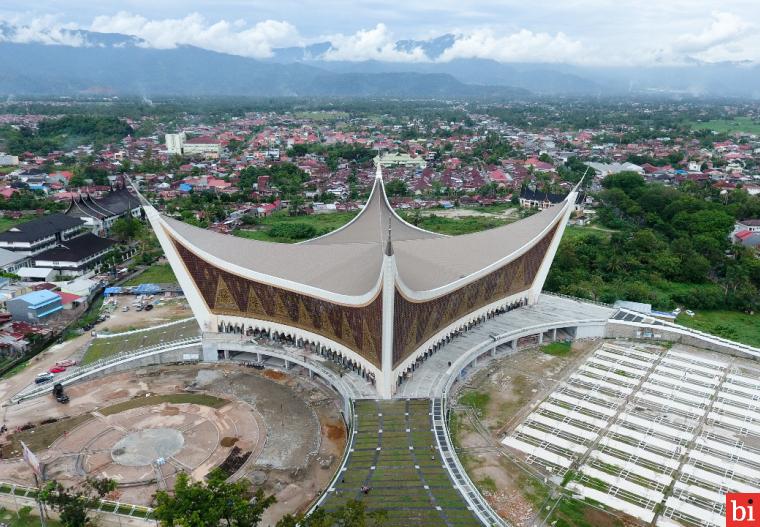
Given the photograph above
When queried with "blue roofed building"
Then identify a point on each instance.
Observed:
(36, 306)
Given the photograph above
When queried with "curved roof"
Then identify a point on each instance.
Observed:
(347, 269)
(348, 261)
(372, 223)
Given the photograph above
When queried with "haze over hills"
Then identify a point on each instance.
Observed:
(85, 62)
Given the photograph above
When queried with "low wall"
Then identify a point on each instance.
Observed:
(656, 332)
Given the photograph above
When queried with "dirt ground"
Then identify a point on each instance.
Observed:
(291, 424)
(165, 310)
(515, 384)
(465, 212)
(173, 309)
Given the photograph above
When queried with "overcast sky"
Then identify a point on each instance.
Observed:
(597, 32)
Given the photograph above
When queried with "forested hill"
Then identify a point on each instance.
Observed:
(661, 245)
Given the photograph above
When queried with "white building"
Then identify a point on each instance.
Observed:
(8, 160)
(605, 169)
(399, 159)
(175, 142)
(179, 144)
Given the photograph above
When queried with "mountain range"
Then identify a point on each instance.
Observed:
(84, 62)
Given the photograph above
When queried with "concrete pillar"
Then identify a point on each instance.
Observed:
(541, 338)
(226, 354)
(311, 374)
(513, 345)
(258, 357)
(287, 365)
(209, 351)
(554, 334)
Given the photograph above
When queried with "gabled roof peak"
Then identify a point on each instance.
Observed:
(370, 224)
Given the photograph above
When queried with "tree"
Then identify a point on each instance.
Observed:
(126, 229)
(211, 503)
(396, 187)
(73, 504)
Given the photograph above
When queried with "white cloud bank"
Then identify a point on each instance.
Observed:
(371, 44)
(521, 46)
(709, 37)
(227, 37)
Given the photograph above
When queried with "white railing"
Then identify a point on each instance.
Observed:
(578, 299)
(102, 364)
(467, 488)
(662, 325)
(142, 330)
(140, 512)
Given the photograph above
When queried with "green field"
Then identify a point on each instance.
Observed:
(105, 347)
(457, 226)
(40, 437)
(557, 349)
(7, 223)
(399, 470)
(10, 518)
(322, 224)
(739, 124)
(155, 274)
(732, 325)
(200, 399)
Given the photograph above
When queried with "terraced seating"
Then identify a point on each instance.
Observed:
(394, 453)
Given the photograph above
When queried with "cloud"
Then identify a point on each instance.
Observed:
(233, 37)
(371, 44)
(521, 46)
(723, 29)
(41, 30)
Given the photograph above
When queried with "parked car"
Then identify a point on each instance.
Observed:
(148, 307)
(43, 377)
(66, 363)
(57, 369)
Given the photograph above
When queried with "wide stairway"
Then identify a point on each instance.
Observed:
(393, 452)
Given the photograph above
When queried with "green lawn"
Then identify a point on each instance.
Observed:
(557, 349)
(739, 124)
(16, 369)
(7, 223)
(105, 347)
(155, 274)
(477, 400)
(322, 223)
(733, 325)
(200, 399)
(27, 521)
(40, 437)
(457, 226)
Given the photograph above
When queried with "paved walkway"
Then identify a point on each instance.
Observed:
(430, 379)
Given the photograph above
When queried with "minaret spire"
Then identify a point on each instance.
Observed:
(378, 171)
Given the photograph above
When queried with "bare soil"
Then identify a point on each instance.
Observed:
(515, 385)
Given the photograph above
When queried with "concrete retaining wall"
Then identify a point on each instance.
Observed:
(616, 329)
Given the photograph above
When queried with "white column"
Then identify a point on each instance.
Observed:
(206, 320)
(385, 384)
(543, 270)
